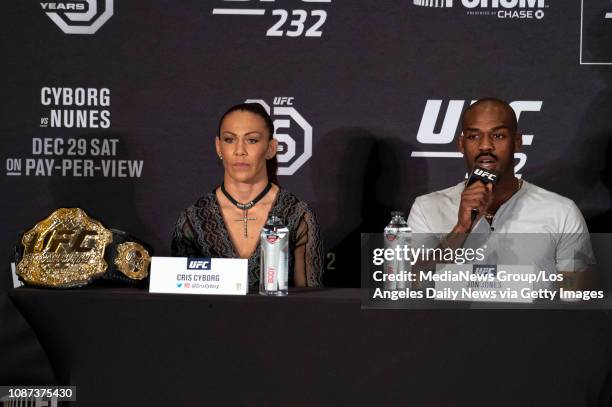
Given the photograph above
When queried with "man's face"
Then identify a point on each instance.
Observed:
(489, 139)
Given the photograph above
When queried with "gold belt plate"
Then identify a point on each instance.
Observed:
(132, 260)
(64, 250)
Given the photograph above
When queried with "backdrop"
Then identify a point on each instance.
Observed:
(113, 106)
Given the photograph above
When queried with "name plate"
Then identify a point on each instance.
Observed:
(187, 275)
(488, 283)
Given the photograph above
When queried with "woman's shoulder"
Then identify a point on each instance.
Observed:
(291, 205)
(205, 201)
(204, 204)
(287, 198)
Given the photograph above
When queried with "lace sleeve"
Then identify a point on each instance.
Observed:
(308, 252)
(183, 239)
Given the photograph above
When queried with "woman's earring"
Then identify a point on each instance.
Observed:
(220, 157)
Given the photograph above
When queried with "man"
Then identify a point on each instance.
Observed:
(559, 239)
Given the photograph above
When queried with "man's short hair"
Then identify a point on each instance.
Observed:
(513, 126)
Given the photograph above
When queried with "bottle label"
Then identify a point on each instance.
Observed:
(390, 237)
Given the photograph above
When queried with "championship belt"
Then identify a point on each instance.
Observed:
(70, 249)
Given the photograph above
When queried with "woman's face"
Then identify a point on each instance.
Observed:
(244, 145)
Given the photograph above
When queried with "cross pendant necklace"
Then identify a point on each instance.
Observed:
(245, 219)
(246, 206)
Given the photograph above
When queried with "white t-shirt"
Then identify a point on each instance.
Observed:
(535, 227)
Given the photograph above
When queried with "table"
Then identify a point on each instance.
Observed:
(123, 346)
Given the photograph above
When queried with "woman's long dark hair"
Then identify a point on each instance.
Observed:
(256, 108)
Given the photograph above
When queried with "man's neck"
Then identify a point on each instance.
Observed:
(505, 188)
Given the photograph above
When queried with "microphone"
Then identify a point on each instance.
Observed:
(486, 177)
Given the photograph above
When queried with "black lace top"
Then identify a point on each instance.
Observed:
(200, 232)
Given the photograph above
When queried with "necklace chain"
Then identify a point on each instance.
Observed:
(489, 216)
(248, 205)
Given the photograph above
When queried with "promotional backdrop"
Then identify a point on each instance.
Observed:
(113, 106)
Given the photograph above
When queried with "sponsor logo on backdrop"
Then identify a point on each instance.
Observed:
(595, 30)
(293, 132)
(502, 9)
(438, 129)
(78, 17)
(307, 20)
(69, 142)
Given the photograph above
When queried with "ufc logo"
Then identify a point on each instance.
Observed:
(201, 264)
(283, 100)
(198, 264)
(450, 121)
(485, 174)
(69, 239)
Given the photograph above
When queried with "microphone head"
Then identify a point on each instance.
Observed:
(483, 175)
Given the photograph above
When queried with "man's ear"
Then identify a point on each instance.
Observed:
(460, 143)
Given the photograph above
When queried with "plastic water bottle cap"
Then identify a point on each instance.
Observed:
(274, 220)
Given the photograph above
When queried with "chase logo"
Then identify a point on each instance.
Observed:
(196, 263)
(78, 17)
(596, 32)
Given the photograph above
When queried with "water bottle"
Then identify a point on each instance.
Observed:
(397, 234)
(274, 266)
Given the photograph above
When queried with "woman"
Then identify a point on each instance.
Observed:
(227, 221)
